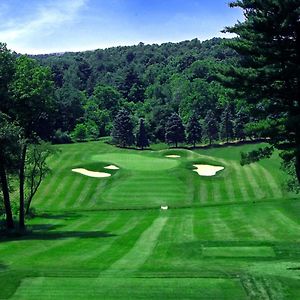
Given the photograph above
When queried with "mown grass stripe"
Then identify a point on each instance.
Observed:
(284, 221)
(276, 188)
(72, 193)
(261, 180)
(256, 181)
(142, 249)
(240, 182)
(249, 182)
(88, 191)
(124, 243)
(55, 183)
(119, 226)
(64, 245)
(27, 249)
(219, 192)
(254, 224)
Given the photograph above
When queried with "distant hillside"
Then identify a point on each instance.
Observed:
(151, 81)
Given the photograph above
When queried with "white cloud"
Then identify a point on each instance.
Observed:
(46, 18)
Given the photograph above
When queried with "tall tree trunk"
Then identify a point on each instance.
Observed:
(22, 192)
(5, 191)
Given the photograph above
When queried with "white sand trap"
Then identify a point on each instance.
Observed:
(111, 167)
(173, 156)
(91, 173)
(207, 170)
(164, 207)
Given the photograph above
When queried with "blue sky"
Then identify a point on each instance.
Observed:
(45, 26)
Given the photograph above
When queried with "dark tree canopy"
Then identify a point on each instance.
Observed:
(193, 131)
(210, 127)
(175, 130)
(122, 132)
(141, 136)
(268, 74)
(226, 125)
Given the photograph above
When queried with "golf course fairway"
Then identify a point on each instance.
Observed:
(234, 235)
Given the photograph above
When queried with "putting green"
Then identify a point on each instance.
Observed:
(137, 162)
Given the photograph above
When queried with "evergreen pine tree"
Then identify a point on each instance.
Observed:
(239, 125)
(210, 128)
(193, 131)
(141, 136)
(268, 74)
(174, 130)
(226, 126)
(122, 132)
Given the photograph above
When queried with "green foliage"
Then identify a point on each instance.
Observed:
(32, 93)
(141, 136)
(7, 69)
(80, 133)
(94, 85)
(70, 107)
(256, 155)
(61, 137)
(9, 142)
(193, 131)
(210, 127)
(288, 166)
(267, 75)
(36, 169)
(174, 130)
(239, 124)
(122, 132)
(226, 124)
(107, 98)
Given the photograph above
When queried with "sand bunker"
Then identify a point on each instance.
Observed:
(111, 167)
(207, 170)
(91, 173)
(173, 156)
(164, 207)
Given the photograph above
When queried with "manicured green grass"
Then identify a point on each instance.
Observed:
(132, 288)
(232, 236)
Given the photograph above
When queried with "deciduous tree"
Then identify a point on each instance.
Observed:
(32, 94)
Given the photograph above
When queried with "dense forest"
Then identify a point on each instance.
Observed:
(150, 82)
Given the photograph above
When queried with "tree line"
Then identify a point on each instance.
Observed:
(126, 132)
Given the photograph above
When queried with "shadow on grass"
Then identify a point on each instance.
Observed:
(3, 267)
(64, 216)
(57, 235)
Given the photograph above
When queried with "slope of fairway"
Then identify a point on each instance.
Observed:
(150, 179)
(235, 235)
